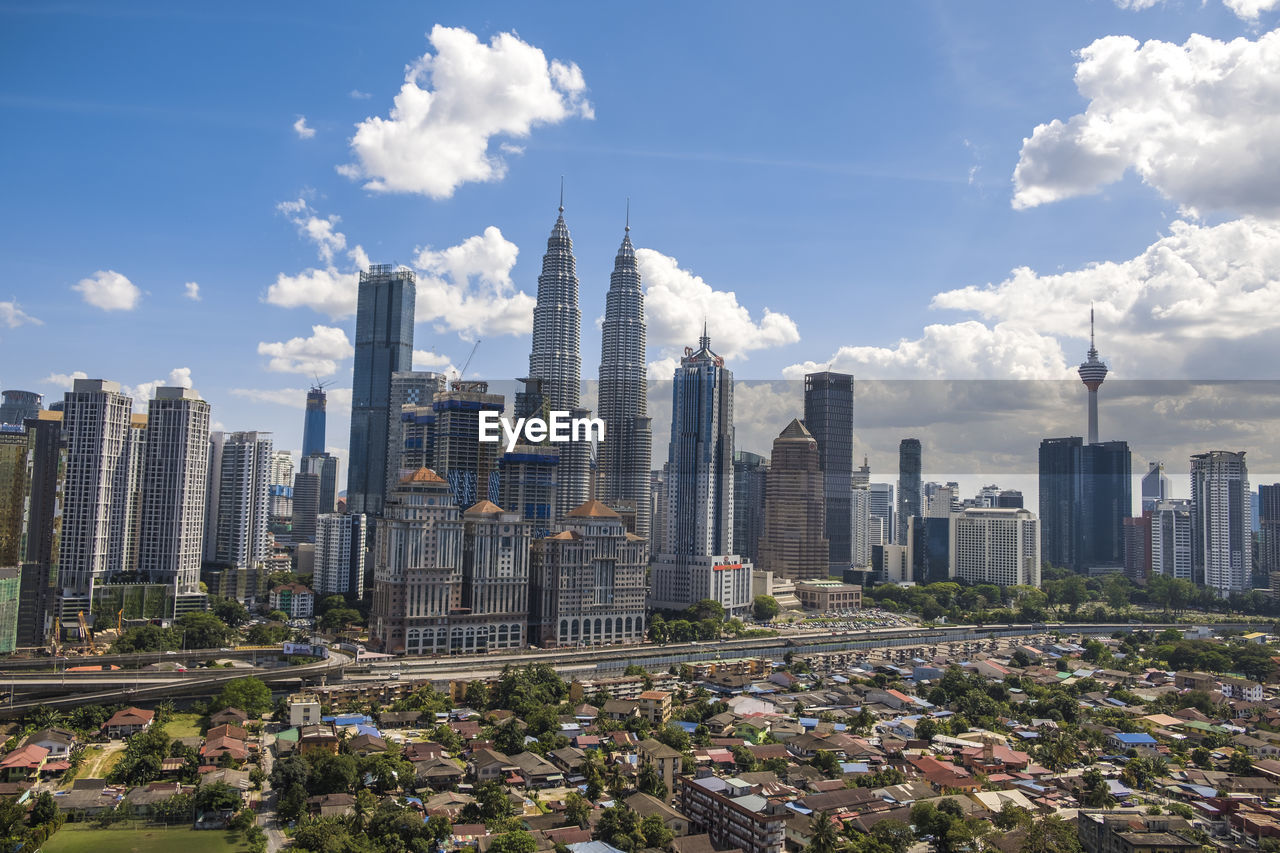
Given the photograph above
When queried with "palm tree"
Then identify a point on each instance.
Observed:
(824, 836)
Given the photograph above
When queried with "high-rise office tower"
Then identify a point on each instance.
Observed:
(587, 584)
(174, 489)
(1171, 553)
(792, 545)
(828, 415)
(384, 345)
(313, 426)
(557, 322)
(929, 548)
(909, 484)
(242, 495)
(325, 467)
(96, 421)
(860, 538)
(282, 468)
(415, 388)
(1155, 486)
(1107, 496)
(862, 474)
(1269, 528)
(1061, 502)
(468, 464)
(1222, 523)
(13, 492)
(555, 362)
(418, 436)
(625, 456)
(696, 561)
(658, 502)
(1137, 547)
(1092, 372)
(18, 406)
(996, 546)
(213, 483)
(417, 567)
(882, 519)
(306, 506)
(341, 546)
(527, 478)
(42, 528)
(750, 481)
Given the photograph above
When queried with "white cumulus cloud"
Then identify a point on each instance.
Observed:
(452, 103)
(317, 355)
(677, 302)
(12, 315)
(1245, 10)
(1202, 301)
(1197, 121)
(64, 380)
(300, 128)
(179, 377)
(433, 361)
(328, 290)
(192, 291)
(467, 288)
(109, 290)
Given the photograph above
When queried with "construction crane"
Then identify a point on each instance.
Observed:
(85, 633)
(467, 363)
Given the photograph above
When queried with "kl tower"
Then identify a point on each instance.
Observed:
(1092, 372)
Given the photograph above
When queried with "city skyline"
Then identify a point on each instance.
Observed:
(250, 332)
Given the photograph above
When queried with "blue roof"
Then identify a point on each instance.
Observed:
(1117, 702)
(1118, 788)
(1134, 738)
(809, 722)
(854, 767)
(687, 726)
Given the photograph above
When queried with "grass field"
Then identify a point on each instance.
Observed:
(84, 838)
(98, 761)
(183, 725)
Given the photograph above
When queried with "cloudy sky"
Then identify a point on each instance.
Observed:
(907, 191)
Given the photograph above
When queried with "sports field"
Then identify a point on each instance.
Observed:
(85, 838)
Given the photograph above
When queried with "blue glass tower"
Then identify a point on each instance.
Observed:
(313, 426)
(384, 345)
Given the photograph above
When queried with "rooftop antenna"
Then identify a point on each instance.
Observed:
(562, 193)
(628, 214)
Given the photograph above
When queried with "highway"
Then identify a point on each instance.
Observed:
(68, 689)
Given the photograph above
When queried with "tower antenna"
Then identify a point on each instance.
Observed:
(562, 193)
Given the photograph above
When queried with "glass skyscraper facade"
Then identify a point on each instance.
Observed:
(384, 345)
(828, 415)
(313, 426)
(909, 466)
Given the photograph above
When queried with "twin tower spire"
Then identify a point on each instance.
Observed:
(555, 366)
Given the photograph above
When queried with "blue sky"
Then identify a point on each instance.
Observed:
(839, 169)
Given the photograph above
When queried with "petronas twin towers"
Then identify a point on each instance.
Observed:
(555, 373)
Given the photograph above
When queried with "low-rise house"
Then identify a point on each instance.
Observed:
(23, 763)
(321, 737)
(304, 709)
(1242, 688)
(537, 771)
(1133, 832)
(144, 799)
(331, 805)
(128, 722)
(1143, 743)
(486, 765)
(621, 709)
(294, 600)
(232, 778)
(664, 760)
(654, 706)
(646, 805)
(58, 741)
(228, 717)
(438, 773)
(367, 744)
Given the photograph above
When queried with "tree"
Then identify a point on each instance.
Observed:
(332, 774)
(248, 694)
(217, 797)
(824, 835)
(655, 832)
(577, 809)
(200, 630)
(894, 834)
(293, 802)
(516, 841)
(339, 618)
(1052, 834)
(1011, 816)
(707, 608)
(1240, 764)
(1095, 794)
(45, 811)
(764, 608)
(826, 761)
(230, 611)
(176, 809)
(649, 782)
(142, 757)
